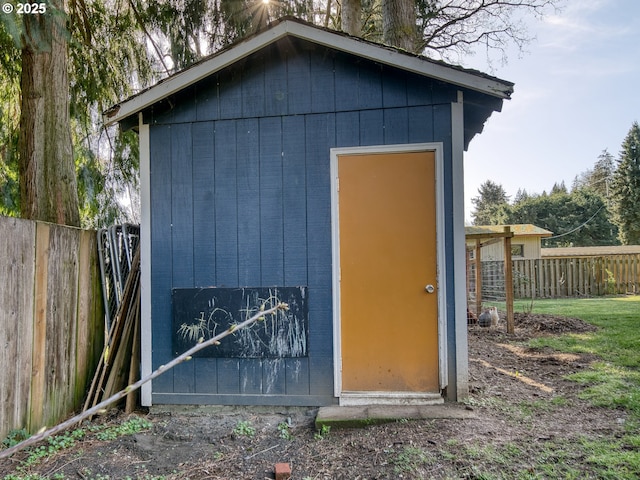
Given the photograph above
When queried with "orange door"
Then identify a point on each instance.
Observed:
(387, 235)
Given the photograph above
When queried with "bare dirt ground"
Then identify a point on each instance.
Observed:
(524, 410)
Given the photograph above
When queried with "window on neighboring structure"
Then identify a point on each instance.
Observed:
(517, 250)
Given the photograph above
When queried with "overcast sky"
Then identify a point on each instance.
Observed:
(577, 92)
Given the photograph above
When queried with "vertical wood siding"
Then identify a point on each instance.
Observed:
(240, 192)
(161, 248)
(51, 321)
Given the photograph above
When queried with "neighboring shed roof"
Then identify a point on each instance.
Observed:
(520, 230)
(591, 251)
(476, 82)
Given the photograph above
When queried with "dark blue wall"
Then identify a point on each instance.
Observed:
(240, 192)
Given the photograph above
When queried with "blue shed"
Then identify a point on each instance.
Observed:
(323, 170)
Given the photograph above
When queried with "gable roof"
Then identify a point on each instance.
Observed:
(469, 79)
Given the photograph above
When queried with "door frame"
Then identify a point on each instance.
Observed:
(437, 148)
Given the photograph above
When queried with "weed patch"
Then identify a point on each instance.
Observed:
(67, 440)
(130, 427)
(244, 429)
(410, 460)
(285, 431)
(322, 433)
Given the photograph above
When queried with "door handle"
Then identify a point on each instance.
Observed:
(429, 288)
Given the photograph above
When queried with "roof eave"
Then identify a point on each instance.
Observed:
(194, 74)
(409, 62)
(466, 79)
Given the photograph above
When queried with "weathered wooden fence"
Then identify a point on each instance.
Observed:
(51, 321)
(576, 276)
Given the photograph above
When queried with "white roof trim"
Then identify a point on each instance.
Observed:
(387, 56)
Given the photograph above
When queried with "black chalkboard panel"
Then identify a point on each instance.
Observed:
(207, 312)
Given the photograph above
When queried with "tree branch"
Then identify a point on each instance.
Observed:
(156, 373)
(456, 25)
(142, 25)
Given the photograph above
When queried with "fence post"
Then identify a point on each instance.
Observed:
(478, 278)
(508, 280)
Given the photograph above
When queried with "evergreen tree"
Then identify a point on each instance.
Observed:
(576, 219)
(599, 178)
(490, 205)
(625, 189)
(48, 186)
(602, 174)
(559, 188)
(521, 195)
(100, 45)
(9, 121)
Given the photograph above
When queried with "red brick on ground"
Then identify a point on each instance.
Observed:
(283, 471)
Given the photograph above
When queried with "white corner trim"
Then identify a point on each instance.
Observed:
(441, 245)
(459, 257)
(335, 284)
(438, 149)
(145, 260)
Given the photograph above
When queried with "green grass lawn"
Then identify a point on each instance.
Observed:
(615, 380)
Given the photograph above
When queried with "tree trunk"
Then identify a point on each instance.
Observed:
(48, 189)
(399, 24)
(350, 17)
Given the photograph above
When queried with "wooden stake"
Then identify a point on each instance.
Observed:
(134, 367)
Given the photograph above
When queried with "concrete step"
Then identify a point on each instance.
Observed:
(363, 415)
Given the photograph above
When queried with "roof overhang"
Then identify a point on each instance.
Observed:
(519, 230)
(469, 79)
